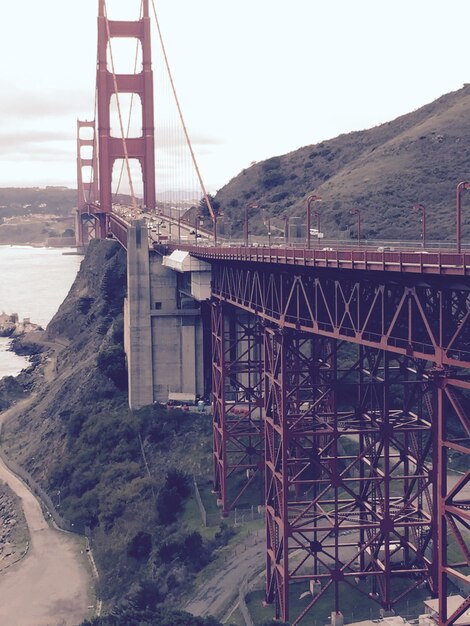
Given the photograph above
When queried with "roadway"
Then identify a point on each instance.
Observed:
(438, 258)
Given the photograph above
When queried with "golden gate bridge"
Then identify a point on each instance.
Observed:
(340, 376)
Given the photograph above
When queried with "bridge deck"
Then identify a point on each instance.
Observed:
(338, 255)
(367, 259)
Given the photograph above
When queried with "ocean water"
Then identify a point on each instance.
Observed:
(33, 283)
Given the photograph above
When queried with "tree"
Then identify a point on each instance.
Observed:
(140, 546)
(169, 505)
(178, 480)
(204, 207)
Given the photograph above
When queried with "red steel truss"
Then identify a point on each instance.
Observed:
(366, 410)
(237, 402)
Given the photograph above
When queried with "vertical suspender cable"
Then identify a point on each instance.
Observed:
(180, 113)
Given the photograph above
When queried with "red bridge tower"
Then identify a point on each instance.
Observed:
(109, 83)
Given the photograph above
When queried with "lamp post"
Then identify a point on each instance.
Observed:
(253, 205)
(286, 229)
(358, 213)
(245, 228)
(310, 199)
(460, 187)
(214, 229)
(267, 223)
(422, 208)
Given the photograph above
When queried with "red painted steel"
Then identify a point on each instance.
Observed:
(413, 339)
(112, 148)
(237, 403)
(340, 515)
(366, 259)
(117, 227)
(87, 190)
(428, 321)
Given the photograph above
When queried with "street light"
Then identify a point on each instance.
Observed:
(269, 231)
(310, 199)
(286, 229)
(358, 213)
(253, 205)
(422, 208)
(267, 223)
(460, 187)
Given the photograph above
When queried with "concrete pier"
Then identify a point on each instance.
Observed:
(163, 333)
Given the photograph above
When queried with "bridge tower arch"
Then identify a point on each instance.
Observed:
(87, 185)
(112, 148)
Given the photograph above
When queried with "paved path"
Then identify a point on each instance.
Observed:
(51, 585)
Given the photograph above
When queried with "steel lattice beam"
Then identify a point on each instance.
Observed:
(406, 384)
(334, 516)
(237, 402)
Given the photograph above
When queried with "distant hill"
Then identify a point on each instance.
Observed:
(16, 201)
(19, 201)
(417, 158)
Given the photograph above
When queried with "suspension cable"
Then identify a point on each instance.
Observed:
(121, 124)
(180, 113)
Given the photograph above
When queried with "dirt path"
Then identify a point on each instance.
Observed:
(214, 596)
(51, 585)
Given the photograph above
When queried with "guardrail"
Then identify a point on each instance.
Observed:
(403, 261)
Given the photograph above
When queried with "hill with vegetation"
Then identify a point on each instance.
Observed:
(124, 478)
(417, 158)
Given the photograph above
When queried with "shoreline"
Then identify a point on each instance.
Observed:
(47, 246)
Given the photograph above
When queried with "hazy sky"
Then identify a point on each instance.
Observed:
(256, 78)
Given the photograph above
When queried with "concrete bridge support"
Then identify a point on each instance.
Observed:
(163, 328)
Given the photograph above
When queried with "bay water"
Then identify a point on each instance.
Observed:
(33, 283)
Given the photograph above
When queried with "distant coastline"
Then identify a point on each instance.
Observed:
(38, 230)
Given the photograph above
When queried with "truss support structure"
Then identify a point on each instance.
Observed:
(237, 404)
(366, 394)
(109, 84)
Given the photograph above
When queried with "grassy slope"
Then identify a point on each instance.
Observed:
(110, 465)
(419, 157)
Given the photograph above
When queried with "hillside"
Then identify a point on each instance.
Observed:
(383, 171)
(122, 477)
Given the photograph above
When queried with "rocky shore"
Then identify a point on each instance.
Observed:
(14, 535)
(10, 325)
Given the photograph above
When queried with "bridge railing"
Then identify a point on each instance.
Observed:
(366, 254)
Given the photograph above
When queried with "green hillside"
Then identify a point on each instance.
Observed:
(383, 171)
(124, 478)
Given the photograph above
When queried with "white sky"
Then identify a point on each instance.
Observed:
(256, 78)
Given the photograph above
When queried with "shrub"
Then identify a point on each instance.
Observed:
(112, 362)
(273, 179)
(169, 505)
(179, 481)
(84, 304)
(271, 164)
(140, 546)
